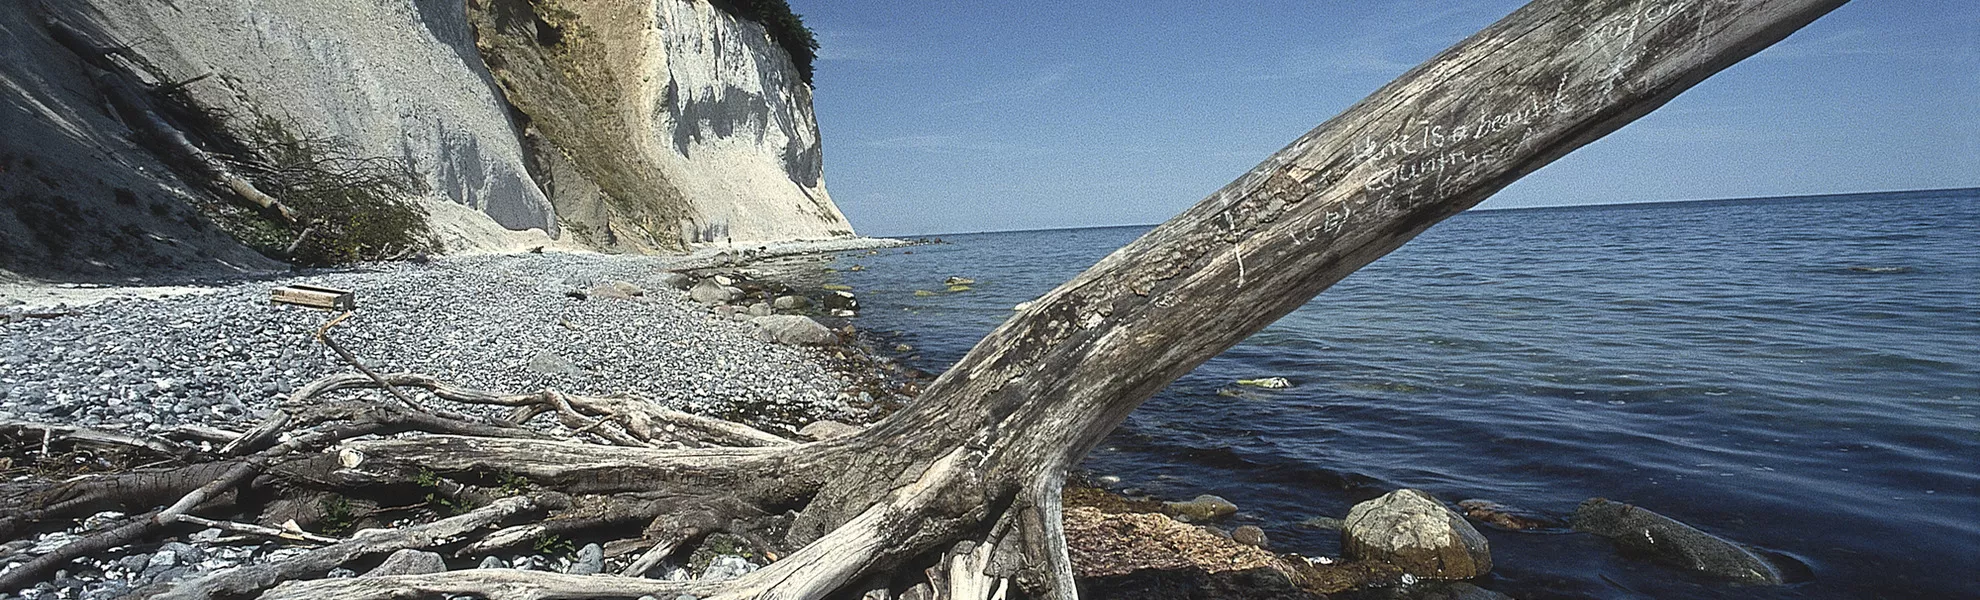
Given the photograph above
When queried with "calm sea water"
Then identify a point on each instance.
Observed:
(1799, 374)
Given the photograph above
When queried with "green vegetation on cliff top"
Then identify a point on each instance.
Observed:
(785, 27)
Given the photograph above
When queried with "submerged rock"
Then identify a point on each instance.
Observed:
(1507, 518)
(1666, 540)
(1412, 530)
(1270, 383)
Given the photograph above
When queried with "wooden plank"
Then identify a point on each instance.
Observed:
(314, 297)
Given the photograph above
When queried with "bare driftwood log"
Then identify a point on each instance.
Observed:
(964, 484)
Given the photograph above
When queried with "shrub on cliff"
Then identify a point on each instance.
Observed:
(352, 208)
(785, 27)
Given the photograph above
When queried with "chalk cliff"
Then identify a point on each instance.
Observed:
(612, 124)
(661, 122)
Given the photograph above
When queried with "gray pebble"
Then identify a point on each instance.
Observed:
(590, 560)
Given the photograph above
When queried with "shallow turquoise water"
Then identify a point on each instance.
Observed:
(1800, 374)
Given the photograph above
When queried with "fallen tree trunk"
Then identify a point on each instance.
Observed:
(1031, 399)
(965, 481)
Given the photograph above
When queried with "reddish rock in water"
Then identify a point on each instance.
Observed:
(1507, 518)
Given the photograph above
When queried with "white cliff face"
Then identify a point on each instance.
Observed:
(650, 124)
(730, 124)
(395, 78)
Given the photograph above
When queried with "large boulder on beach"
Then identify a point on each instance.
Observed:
(616, 290)
(794, 330)
(679, 281)
(1202, 509)
(1666, 540)
(790, 303)
(1413, 531)
(711, 292)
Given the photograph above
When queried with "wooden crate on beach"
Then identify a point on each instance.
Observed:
(314, 297)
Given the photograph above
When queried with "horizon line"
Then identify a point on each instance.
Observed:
(1646, 203)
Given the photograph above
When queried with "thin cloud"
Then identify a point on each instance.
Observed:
(1860, 42)
(1037, 84)
(854, 45)
(935, 144)
(1385, 44)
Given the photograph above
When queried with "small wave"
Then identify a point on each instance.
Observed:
(1870, 269)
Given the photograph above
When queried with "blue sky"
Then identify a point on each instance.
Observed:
(946, 116)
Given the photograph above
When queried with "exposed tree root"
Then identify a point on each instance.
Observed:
(245, 581)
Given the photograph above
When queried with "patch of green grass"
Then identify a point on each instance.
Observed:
(440, 503)
(338, 515)
(512, 484)
(553, 545)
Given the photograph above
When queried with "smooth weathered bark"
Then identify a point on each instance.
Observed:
(965, 481)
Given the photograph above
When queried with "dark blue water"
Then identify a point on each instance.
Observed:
(1799, 374)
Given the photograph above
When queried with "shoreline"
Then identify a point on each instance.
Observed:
(21, 293)
(222, 357)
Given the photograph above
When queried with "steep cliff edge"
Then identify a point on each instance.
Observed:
(647, 126)
(662, 123)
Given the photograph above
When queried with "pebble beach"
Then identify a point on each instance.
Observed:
(223, 356)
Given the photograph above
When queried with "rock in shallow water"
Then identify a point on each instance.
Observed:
(1667, 540)
(1411, 530)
